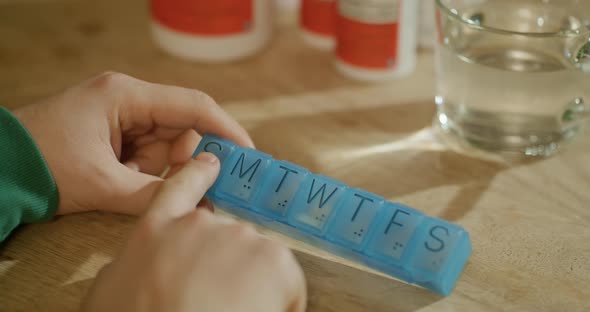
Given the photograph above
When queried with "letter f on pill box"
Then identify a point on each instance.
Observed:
(355, 224)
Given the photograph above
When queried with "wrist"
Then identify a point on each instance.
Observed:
(28, 192)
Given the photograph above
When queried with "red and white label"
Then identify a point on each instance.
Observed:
(367, 35)
(367, 45)
(319, 16)
(205, 17)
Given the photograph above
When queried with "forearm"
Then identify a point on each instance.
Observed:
(28, 192)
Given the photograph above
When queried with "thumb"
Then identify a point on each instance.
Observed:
(181, 193)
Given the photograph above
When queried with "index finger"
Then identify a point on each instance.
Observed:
(151, 104)
(180, 194)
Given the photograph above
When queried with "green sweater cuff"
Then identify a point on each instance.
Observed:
(28, 192)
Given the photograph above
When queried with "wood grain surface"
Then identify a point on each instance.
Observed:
(529, 221)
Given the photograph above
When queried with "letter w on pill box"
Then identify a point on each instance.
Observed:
(394, 239)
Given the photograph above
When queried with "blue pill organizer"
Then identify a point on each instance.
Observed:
(352, 223)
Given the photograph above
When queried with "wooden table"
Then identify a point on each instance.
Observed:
(529, 222)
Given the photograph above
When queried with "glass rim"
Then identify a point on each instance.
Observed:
(583, 30)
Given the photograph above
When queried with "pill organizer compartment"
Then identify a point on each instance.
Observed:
(391, 238)
(278, 189)
(355, 217)
(243, 174)
(441, 250)
(314, 203)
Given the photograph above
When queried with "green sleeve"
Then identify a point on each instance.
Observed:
(28, 192)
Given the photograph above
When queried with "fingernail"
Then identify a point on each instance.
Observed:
(253, 145)
(208, 157)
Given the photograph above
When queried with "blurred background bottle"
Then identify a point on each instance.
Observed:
(318, 22)
(426, 29)
(212, 31)
(376, 39)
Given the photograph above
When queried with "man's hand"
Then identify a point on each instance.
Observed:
(182, 259)
(108, 139)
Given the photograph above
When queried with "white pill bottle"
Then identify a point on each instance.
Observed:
(427, 30)
(376, 39)
(212, 31)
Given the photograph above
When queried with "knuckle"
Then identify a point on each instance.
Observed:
(241, 230)
(110, 80)
(200, 217)
(178, 183)
(146, 229)
(279, 256)
(203, 98)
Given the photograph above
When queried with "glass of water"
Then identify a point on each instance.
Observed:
(512, 75)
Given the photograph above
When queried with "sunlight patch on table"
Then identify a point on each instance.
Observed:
(89, 268)
(6, 265)
(423, 140)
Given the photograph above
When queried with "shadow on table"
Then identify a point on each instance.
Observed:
(335, 287)
(390, 151)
